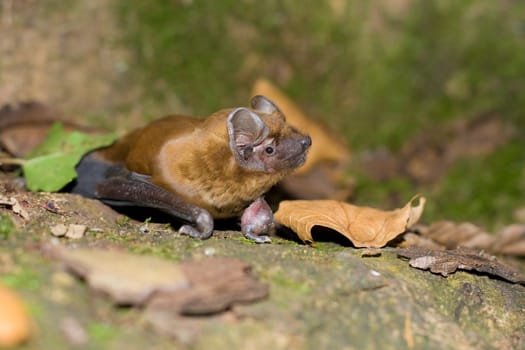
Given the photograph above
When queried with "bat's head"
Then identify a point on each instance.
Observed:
(261, 140)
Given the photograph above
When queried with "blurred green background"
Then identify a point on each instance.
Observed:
(378, 72)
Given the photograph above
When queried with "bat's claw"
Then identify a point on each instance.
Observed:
(202, 229)
(257, 238)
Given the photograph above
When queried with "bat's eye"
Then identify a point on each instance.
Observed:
(269, 150)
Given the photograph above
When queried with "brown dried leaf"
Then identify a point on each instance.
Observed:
(25, 125)
(364, 226)
(510, 240)
(208, 293)
(446, 262)
(413, 239)
(453, 235)
(15, 206)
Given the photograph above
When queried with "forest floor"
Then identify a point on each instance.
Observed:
(74, 56)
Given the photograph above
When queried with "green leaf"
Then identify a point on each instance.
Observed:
(51, 165)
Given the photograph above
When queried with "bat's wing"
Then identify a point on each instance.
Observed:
(115, 185)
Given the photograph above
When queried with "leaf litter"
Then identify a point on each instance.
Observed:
(440, 235)
(363, 226)
(15, 206)
(446, 262)
(20, 135)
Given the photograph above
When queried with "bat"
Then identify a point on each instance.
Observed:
(200, 169)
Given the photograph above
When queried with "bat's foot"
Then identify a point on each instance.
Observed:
(257, 221)
(203, 227)
(257, 238)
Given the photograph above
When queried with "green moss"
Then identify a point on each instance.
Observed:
(101, 332)
(446, 61)
(289, 284)
(378, 83)
(485, 190)
(123, 221)
(6, 226)
(22, 278)
(373, 193)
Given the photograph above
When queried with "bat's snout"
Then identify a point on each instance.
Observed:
(306, 142)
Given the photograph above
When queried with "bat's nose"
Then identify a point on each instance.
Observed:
(306, 142)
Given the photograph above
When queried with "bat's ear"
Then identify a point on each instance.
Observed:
(246, 130)
(263, 104)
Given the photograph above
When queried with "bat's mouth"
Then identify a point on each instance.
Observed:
(300, 160)
(297, 160)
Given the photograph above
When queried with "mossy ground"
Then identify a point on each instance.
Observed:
(325, 296)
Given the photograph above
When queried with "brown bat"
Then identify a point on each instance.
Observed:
(200, 169)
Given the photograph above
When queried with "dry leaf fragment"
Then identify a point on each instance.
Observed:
(413, 239)
(446, 262)
(32, 123)
(364, 226)
(15, 206)
(452, 235)
(510, 240)
(26, 125)
(216, 284)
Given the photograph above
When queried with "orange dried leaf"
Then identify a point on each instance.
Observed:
(364, 226)
(15, 324)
